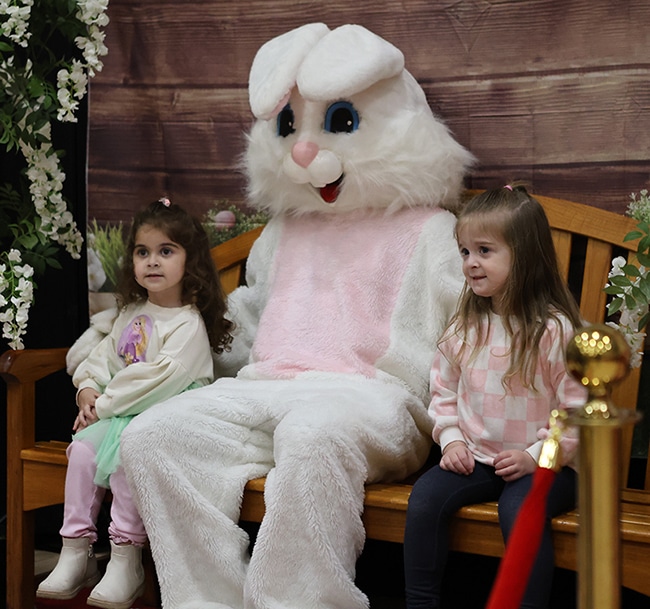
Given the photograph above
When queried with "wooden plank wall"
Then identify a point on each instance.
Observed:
(554, 92)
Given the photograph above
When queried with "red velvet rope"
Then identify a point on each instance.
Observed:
(523, 545)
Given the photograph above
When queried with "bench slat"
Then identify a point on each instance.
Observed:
(598, 259)
(562, 243)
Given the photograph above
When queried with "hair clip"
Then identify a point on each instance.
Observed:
(165, 201)
(508, 187)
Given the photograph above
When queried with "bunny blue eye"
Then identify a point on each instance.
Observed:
(285, 122)
(341, 117)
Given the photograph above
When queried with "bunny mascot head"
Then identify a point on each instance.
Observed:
(348, 289)
(342, 125)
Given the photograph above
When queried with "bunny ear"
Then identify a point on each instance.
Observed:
(275, 68)
(346, 61)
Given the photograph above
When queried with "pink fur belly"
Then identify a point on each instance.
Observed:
(335, 286)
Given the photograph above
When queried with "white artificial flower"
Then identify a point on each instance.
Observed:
(26, 288)
(25, 271)
(22, 315)
(93, 14)
(77, 76)
(617, 266)
(629, 318)
(16, 27)
(16, 343)
(93, 11)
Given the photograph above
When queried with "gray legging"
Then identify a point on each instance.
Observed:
(438, 494)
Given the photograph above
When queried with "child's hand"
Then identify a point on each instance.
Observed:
(87, 416)
(514, 464)
(457, 458)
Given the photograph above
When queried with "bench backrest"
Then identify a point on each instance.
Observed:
(230, 258)
(586, 240)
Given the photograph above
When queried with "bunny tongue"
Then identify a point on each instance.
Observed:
(330, 192)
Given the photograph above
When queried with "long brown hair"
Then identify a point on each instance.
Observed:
(200, 285)
(535, 291)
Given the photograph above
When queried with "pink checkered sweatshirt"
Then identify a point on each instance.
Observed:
(469, 403)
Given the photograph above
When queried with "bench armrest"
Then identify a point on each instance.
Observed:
(21, 370)
(31, 365)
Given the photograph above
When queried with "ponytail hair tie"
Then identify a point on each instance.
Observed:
(508, 187)
(165, 201)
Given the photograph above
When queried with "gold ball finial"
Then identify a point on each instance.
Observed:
(598, 356)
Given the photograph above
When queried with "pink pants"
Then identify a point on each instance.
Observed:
(83, 498)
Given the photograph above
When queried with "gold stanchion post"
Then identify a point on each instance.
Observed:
(598, 356)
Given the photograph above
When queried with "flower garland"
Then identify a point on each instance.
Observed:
(17, 281)
(629, 284)
(29, 102)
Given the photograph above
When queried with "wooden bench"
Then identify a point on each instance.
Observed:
(586, 239)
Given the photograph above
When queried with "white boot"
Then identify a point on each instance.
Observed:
(123, 581)
(76, 569)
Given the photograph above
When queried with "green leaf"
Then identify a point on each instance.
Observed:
(612, 289)
(638, 295)
(644, 244)
(54, 263)
(632, 235)
(631, 270)
(615, 306)
(620, 280)
(644, 227)
(643, 322)
(50, 251)
(630, 303)
(28, 241)
(35, 87)
(644, 286)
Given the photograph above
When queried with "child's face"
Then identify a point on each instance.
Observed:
(159, 266)
(486, 262)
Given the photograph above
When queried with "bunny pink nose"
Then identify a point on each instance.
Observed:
(303, 153)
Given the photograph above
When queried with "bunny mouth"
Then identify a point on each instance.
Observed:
(330, 192)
